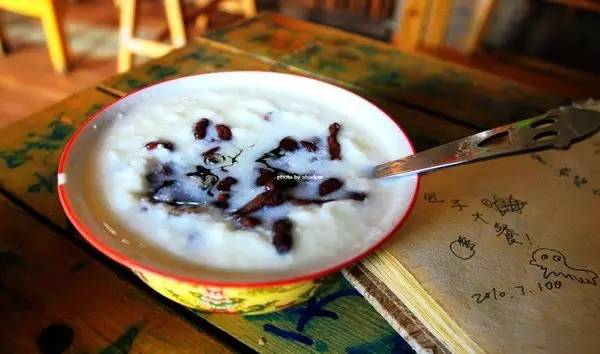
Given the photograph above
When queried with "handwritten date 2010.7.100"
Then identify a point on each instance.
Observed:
(498, 294)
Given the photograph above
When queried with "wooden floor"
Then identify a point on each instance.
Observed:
(28, 83)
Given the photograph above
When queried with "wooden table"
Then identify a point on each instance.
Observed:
(56, 291)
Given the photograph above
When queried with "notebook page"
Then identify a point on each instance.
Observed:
(510, 249)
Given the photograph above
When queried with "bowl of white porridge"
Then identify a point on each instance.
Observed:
(236, 192)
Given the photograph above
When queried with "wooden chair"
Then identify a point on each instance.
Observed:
(424, 23)
(130, 45)
(49, 12)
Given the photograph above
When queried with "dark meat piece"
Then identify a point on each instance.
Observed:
(200, 128)
(335, 149)
(330, 185)
(165, 143)
(282, 235)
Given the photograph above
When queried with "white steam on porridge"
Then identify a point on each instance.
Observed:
(251, 180)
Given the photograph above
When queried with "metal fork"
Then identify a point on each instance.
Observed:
(557, 128)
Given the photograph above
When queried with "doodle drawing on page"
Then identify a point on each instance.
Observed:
(553, 262)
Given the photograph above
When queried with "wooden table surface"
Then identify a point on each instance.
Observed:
(57, 292)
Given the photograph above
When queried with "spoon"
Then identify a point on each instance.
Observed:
(557, 128)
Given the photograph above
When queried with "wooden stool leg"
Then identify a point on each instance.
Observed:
(439, 15)
(483, 14)
(127, 23)
(55, 36)
(175, 22)
(247, 8)
(412, 18)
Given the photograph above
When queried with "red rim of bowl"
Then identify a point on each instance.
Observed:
(135, 265)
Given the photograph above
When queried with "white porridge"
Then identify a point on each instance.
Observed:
(251, 179)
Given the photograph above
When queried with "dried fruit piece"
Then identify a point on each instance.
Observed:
(226, 183)
(335, 149)
(309, 145)
(268, 198)
(223, 132)
(223, 197)
(288, 144)
(200, 128)
(222, 201)
(282, 235)
(249, 221)
(330, 185)
(161, 142)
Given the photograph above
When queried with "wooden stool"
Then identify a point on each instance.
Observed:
(130, 45)
(48, 11)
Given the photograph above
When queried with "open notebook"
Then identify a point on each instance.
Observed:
(498, 256)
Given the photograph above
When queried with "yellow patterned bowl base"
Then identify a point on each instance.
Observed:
(234, 300)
